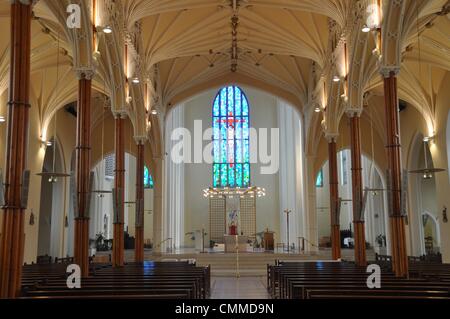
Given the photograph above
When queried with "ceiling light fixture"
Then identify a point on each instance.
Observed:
(154, 112)
(317, 109)
(107, 29)
(135, 80)
(336, 78)
(365, 29)
(2, 119)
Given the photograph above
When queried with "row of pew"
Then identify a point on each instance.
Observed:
(151, 280)
(345, 280)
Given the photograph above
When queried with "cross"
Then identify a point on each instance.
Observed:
(231, 120)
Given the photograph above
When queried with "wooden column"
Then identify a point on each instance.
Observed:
(119, 188)
(334, 195)
(12, 235)
(397, 220)
(83, 168)
(357, 192)
(139, 232)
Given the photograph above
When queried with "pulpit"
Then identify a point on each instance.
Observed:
(232, 240)
(268, 240)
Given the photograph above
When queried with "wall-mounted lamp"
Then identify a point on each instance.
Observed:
(366, 28)
(444, 215)
(2, 119)
(107, 29)
(45, 144)
(317, 109)
(154, 112)
(136, 80)
(336, 78)
(31, 221)
(52, 179)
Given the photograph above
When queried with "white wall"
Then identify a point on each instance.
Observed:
(101, 206)
(375, 213)
(263, 114)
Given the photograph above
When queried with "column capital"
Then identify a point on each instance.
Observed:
(331, 137)
(119, 114)
(25, 2)
(85, 73)
(140, 140)
(387, 70)
(353, 112)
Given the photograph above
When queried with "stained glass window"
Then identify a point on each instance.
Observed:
(319, 180)
(148, 180)
(231, 138)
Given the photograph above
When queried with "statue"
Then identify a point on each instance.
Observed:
(233, 226)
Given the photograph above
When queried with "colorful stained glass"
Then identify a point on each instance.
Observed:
(223, 175)
(245, 106)
(319, 180)
(223, 103)
(216, 174)
(238, 103)
(246, 174)
(216, 109)
(239, 174)
(148, 180)
(231, 172)
(231, 147)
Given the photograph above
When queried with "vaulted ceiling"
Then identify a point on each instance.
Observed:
(182, 47)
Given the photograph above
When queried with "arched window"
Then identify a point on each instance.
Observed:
(148, 180)
(319, 180)
(231, 138)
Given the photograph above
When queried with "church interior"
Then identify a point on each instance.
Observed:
(224, 149)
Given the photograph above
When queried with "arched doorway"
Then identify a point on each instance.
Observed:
(375, 215)
(423, 200)
(102, 218)
(51, 211)
(431, 233)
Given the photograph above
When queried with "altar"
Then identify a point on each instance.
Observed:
(230, 243)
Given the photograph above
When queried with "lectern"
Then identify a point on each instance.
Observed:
(268, 240)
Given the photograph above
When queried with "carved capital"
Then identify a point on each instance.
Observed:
(140, 140)
(331, 137)
(120, 114)
(24, 2)
(85, 73)
(387, 70)
(354, 112)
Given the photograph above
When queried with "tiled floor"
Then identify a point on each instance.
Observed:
(239, 288)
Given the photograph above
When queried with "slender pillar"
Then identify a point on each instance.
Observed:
(139, 232)
(83, 168)
(334, 195)
(357, 192)
(397, 220)
(12, 235)
(158, 205)
(119, 185)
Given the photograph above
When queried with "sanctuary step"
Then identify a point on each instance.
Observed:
(250, 264)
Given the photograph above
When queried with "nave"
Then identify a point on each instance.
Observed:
(198, 149)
